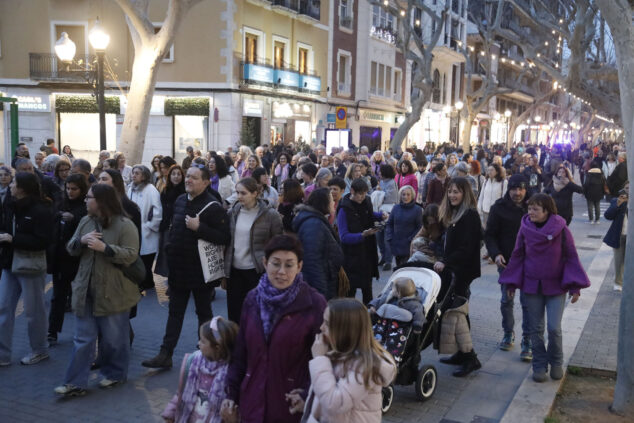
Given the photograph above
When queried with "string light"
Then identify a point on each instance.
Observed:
(546, 43)
(386, 2)
(402, 13)
(472, 48)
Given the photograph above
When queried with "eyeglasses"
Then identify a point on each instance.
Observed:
(88, 197)
(198, 165)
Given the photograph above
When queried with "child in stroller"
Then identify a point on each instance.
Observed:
(403, 294)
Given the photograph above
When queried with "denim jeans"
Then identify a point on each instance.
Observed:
(594, 206)
(31, 289)
(114, 346)
(384, 247)
(506, 308)
(553, 306)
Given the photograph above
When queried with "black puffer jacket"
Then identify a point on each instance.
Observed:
(33, 223)
(183, 260)
(462, 249)
(563, 199)
(168, 198)
(60, 260)
(594, 185)
(505, 219)
(322, 253)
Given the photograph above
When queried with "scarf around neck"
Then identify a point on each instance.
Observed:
(200, 365)
(273, 302)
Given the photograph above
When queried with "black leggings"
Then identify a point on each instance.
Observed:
(238, 286)
(148, 261)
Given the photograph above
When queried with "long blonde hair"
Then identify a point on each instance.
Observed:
(449, 214)
(352, 341)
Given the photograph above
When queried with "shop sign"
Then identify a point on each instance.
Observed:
(252, 108)
(258, 73)
(374, 116)
(286, 78)
(331, 118)
(33, 103)
(283, 110)
(310, 83)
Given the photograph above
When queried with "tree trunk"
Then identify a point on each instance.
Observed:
(465, 139)
(618, 15)
(410, 120)
(137, 116)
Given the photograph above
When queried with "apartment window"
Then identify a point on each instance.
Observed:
(382, 18)
(251, 48)
(373, 84)
(278, 54)
(344, 73)
(169, 56)
(345, 13)
(380, 79)
(398, 84)
(302, 60)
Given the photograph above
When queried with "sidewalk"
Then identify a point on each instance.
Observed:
(26, 392)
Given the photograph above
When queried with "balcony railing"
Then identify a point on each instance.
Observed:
(384, 33)
(345, 21)
(47, 67)
(264, 75)
(310, 8)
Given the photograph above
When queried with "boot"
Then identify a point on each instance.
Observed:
(162, 361)
(470, 364)
(457, 359)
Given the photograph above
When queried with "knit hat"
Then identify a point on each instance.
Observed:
(517, 181)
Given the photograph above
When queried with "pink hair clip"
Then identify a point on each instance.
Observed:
(213, 325)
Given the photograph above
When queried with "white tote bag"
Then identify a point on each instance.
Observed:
(212, 256)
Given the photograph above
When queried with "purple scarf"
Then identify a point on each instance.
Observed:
(215, 180)
(273, 302)
(216, 369)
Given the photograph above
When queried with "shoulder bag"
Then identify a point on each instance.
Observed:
(27, 262)
(212, 256)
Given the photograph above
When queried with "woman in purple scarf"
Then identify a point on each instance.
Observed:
(268, 378)
(545, 266)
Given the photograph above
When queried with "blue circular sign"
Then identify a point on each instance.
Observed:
(341, 114)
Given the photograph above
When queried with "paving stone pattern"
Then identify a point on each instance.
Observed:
(597, 348)
(26, 392)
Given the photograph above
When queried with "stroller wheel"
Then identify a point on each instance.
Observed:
(425, 383)
(388, 397)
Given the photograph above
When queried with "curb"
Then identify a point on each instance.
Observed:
(533, 401)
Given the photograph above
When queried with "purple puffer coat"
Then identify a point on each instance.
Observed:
(538, 258)
(260, 374)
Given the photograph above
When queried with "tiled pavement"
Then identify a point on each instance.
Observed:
(26, 392)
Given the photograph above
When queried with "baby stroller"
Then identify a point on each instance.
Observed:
(393, 329)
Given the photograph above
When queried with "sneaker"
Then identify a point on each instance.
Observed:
(387, 266)
(618, 288)
(34, 358)
(162, 361)
(109, 383)
(556, 372)
(70, 391)
(527, 351)
(5, 363)
(507, 341)
(540, 376)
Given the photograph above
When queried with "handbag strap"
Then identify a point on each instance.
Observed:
(203, 209)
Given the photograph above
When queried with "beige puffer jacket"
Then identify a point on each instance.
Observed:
(454, 332)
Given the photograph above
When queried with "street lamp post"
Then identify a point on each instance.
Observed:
(99, 41)
(65, 49)
(459, 105)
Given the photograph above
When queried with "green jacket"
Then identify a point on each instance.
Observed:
(111, 292)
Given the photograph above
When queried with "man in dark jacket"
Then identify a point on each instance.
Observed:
(501, 232)
(617, 179)
(189, 225)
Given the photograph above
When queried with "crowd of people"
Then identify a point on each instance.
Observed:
(291, 236)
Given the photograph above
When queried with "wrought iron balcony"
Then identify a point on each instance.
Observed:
(310, 8)
(48, 67)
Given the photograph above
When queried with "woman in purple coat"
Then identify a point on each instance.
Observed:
(545, 266)
(268, 377)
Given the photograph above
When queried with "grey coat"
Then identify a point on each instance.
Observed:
(268, 223)
(110, 290)
(454, 332)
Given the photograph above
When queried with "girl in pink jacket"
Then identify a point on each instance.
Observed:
(349, 367)
(406, 176)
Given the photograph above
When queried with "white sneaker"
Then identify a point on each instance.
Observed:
(109, 383)
(618, 288)
(34, 358)
(5, 363)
